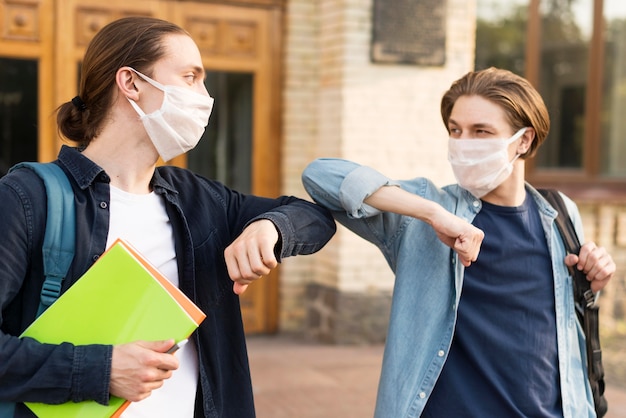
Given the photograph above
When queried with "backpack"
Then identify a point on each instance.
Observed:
(59, 239)
(584, 300)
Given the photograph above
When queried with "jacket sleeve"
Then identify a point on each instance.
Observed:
(342, 186)
(30, 371)
(303, 227)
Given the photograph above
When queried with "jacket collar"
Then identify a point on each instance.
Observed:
(85, 172)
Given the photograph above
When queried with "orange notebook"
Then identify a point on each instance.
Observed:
(121, 298)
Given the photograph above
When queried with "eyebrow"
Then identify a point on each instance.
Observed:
(474, 125)
(199, 70)
(196, 69)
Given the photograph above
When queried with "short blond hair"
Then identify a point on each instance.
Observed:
(520, 101)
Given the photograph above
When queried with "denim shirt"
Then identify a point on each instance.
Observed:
(206, 217)
(428, 282)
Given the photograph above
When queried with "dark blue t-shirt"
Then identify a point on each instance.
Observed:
(503, 360)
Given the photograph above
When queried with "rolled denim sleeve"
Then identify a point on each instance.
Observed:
(342, 185)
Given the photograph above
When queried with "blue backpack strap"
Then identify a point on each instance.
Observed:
(60, 236)
(7, 409)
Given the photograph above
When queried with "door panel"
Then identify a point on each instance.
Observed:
(225, 151)
(26, 33)
(18, 111)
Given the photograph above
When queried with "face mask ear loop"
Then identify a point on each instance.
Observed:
(140, 112)
(149, 80)
(517, 135)
(514, 138)
(154, 83)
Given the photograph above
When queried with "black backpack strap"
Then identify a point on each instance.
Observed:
(584, 299)
(582, 288)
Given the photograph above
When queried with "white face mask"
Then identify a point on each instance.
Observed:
(178, 125)
(481, 165)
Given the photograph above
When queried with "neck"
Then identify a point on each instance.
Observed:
(512, 191)
(128, 157)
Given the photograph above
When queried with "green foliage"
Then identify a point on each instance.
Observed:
(501, 42)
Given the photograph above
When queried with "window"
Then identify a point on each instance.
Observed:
(501, 34)
(18, 112)
(613, 105)
(574, 52)
(225, 151)
(566, 29)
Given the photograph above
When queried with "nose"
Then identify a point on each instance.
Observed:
(202, 89)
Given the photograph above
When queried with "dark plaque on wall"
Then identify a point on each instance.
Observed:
(409, 32)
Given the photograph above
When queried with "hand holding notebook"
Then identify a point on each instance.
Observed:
(121, 299)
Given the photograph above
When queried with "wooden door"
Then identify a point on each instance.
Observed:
(243, 43)
(239, 42)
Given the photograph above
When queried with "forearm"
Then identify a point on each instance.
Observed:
(293, 228)
(33, 372)
(342, 186)
(303, 227)
(396, 200)
(345, 185)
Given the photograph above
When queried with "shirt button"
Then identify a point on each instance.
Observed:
(103, 205)
(475, 203)
(440, 353)
(95, 257)
(422, 395)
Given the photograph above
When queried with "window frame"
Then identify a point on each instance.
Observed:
(585, 184)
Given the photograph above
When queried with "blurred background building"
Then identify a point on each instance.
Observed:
(358, 79)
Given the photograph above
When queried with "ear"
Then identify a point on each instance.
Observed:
(527, 139)
(125, 80)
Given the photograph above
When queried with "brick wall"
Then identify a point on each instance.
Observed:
(605, 224)
(339, 104)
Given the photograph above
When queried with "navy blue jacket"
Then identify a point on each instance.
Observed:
(206, 217)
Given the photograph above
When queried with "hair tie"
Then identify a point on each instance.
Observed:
(79, 104)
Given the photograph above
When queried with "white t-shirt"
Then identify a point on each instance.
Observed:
(141, 220)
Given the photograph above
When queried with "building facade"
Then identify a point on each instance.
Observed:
(299, 79)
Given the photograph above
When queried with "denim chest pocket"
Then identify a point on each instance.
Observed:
(212, 280)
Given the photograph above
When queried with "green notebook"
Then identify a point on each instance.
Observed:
(120, 299)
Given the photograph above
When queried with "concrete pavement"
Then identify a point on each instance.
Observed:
(296, 379)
